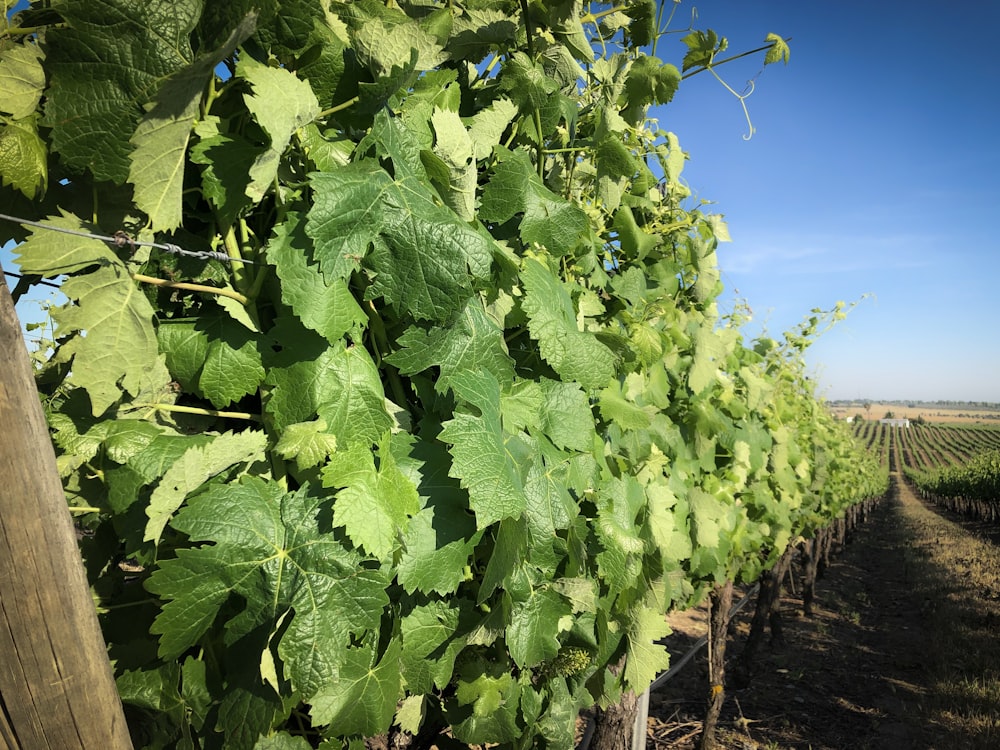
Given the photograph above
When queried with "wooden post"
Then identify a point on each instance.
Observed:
(57, 690)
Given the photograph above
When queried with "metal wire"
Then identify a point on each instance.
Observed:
(121, 239)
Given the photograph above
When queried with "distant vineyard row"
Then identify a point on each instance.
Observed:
(955, 466)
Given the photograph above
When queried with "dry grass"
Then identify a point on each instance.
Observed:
(930, 413)
(959, 576)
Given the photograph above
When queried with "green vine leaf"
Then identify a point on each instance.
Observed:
(702, 48)
(23, 158)
(282, 741)
(471, 341)
(215, 356)
(341, 386)
(708, 352)
(650, 81)
(567, 27)
(104, 67)
(194, 467)
(488, 126)
(485, 459)
(642, 28)
(779, 50)
(347, 215)
(485, 706)
(269, 548)
(453, 145)
(526, 83)
(50, 254)
(645, 657)
(429, 645)
(547, 219)
(441, 538)
(226, 159)
(23, 154)
(115, 340)
(551, 508)
(307, 443)
(155, 689)
(566, 416)
(387, 46)
(362, 699)
(481, 28)
(532, 635)
(281, 103)
(162, 452)
(574, 354)
(374, 505)
(247, 712)
(22, 80)
(324, 305)
(161, 139)
(361, 206)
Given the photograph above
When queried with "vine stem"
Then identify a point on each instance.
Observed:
(715, 63)
(219, 292)
(240, 279)
(203, 412)
(536, 115)
(28, 30)
(661, 27)
(210, 96)
(339, 107)
(595, 17)
(529, 29)
(568, 149)
(487, 71)
(381, 347)
(743, 101)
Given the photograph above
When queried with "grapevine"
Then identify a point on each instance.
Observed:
(440, 418)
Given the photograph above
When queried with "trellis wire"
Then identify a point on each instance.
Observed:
(120, 239)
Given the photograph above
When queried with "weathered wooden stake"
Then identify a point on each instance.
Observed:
(57, 691)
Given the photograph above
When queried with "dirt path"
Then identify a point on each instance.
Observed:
(900, 622)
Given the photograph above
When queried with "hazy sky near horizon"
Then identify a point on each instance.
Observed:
(873, 171)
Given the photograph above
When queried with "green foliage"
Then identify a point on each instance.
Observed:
(445, 451)
(779, 50)
(976, 479)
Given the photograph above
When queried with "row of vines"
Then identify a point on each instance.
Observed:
(399, 403)
(956, 466)
(874, 437)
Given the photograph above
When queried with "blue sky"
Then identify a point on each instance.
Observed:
(872, 171)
